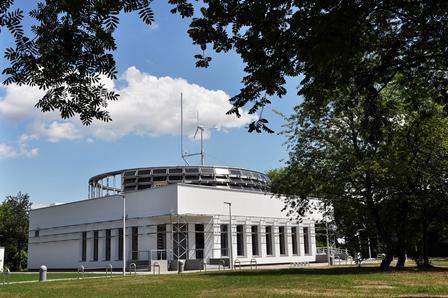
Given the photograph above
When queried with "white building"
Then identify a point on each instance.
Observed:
(171, 213)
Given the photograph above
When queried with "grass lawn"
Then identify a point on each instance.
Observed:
(339, 282)
(51, 275)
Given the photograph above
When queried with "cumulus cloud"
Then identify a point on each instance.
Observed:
(7, 151)
(147, 106)
(22, 148)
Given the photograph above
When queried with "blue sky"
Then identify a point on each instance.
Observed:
(52, 159)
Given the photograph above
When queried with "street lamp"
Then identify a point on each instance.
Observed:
(230, 233)
(124, 233)
(327, 236)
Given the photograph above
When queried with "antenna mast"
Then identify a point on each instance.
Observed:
(184, 154)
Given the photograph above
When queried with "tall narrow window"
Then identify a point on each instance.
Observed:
(282, 239)
(95, 245)
(224, 240)
(269, 240)
(107, 245)
(120, 244)
(254, 232)
(84, 247)
(240, 240)
(199, 241)
(295, 251)
(161, 242)
(306, 240)
(134, 243)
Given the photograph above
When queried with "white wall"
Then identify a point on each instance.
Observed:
(144, 203)
(60, 227)
(195, 199)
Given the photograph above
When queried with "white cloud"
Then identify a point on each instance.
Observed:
(7, 151)
(22, 149)
(147, 106)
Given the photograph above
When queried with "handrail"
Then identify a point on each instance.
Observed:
(203, 266)
(156, 264)
(80, 270)
(109, 269)
(253, 261)
(237, 262)
(133, 265)
(223, 264)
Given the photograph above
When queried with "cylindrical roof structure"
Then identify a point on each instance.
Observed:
(150, 177)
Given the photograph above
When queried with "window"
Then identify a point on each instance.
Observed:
(240, 240)
(199, 241)
(84, 247)
(306, 240)
(120, 244)
(224, 240)
(269, 240)
(134, 243)
(161, 242)
(295, 251)
(36, 233)
(107, 245)
(254, 232)
(95, 245)
(282, 239)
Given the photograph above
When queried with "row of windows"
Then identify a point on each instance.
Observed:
(180, 241)
(108, 244)
(269, 236)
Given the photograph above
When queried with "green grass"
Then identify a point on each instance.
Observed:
(29, 276)
(334, 282)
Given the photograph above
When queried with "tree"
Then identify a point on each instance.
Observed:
(387, 172)
(14, 222)
(331, 43)
(70, 47)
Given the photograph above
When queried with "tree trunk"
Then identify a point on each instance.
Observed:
(401, 252)
(385, 263)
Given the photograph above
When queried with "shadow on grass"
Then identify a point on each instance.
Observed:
(322, 271)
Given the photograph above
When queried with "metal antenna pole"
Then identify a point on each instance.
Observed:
(182, 129)
(202, 147)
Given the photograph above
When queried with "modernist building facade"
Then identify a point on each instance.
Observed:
(172, 213)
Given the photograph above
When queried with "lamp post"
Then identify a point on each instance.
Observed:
(230, 233)
(124, 233)
(327, 236)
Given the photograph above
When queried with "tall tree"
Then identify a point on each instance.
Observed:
(70, 46)
(14, 222)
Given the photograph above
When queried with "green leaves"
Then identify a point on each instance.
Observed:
(14, 230)
(71, 47)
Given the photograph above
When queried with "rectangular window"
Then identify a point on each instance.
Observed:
(95, 245)
(161, 242)
(254, 232)
(282, 239)
(199, 241)
(295, 251)
(84, 247)
(269, 240)
(306, 240)
(240, 240)
(120, 244)
(134, 243)
(36, 233)
(107, 245)
(224, 240)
